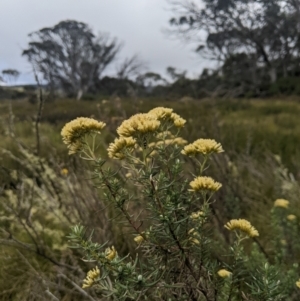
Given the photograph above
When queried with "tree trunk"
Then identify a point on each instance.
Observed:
(273, 74)
(79, 94)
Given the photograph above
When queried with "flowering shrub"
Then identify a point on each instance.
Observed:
(179, 253)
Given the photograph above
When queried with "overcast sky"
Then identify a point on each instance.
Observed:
(138, 24)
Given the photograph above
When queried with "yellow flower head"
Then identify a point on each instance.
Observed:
(91, 276)
(196, 215)
(298, 283)
(194, 236)
(205, 183)
(161, 113)
(138, 124)
(166, 114)
(173, 141)
(281, 203)
(224, 273)
(194, 241)
(191, 231)
(74, 131)
(139, 239)
(202, 146)
(110, 253)
(64, 172)
(243, 225)
(177, 120)
(165, 135)
(291, 217)
(116, 149)
(283, 242)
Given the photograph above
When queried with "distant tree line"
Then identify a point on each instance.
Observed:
(255, 43)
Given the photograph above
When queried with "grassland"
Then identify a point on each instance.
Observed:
(261, 139)
(243, 126)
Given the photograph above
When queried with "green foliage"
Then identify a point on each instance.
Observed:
(285, 86)
(180, 251)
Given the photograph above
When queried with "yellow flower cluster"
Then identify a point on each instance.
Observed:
(298, 283)
(291, 217)
(138, 124)
(161, 113)
(243, 225)
(64, 172)
(177, 120)
(283, 242)
(110, 253)
(74, 131)
(281, 203)
(117, 148)
(196, 215)
(224, 273)
(171, 141)
(205, 183)
(165, 135)
(139, 128)
(202, 146)
(194, 236)
(139, 239)
(92, 275)
(166, 114)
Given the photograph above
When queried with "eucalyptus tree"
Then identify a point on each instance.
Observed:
(10, 75)
(266, 31)
(70, 56)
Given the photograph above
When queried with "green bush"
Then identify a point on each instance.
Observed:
(172, 211)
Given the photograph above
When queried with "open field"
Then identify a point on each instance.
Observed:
(40, 202)
(243, 126)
